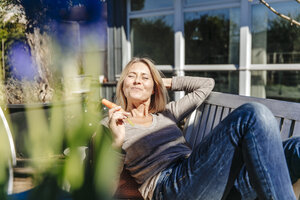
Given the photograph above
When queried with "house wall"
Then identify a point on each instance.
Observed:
(245, 47)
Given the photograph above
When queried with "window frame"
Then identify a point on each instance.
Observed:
(244, 67)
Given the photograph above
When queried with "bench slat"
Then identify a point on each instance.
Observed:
(201, 126)
(285, 130)
(189, 127)
(226, 111)
(193, 126)
(279, 120)
(210, 121)
(218, 116)
(197, 125)
(296, 131)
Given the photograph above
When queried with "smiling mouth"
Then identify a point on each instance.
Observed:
(135, 88)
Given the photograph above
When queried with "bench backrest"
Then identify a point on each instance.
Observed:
(208, 115)
(219, 105)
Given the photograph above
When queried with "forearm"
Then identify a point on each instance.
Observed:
(191, 84)
(198, 89)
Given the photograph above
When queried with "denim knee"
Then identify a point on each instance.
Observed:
(262, 116)
(259, 110)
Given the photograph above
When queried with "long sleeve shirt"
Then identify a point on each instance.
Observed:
(149, 150)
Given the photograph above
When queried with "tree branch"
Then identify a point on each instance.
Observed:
(279, 14)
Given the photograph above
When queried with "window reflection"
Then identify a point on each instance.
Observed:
(150, 4)
(282, 85)
(187, 2)
(225, 81)
(212, 37)
(170, 93)
(153, 37)
(275, 40)
(191, 2)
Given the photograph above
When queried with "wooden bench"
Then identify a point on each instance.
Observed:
(205, 118)
(209, 114)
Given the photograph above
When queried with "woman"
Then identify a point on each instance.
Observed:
(158, 157)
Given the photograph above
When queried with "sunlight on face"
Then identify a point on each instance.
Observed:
(138, 84)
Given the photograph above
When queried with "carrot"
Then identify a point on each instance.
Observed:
(110, 105)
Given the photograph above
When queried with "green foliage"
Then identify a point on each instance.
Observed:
(284, 40)
(154, 39)
(71, 121)
(11, 29)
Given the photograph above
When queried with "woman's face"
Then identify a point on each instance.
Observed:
(138, 84)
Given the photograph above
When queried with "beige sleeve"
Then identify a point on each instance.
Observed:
(197, 90)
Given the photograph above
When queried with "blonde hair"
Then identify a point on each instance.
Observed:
(158, 99)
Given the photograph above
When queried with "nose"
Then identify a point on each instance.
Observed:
(137, 80)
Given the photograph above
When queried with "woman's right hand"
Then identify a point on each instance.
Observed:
(167, 82)
(116, 123)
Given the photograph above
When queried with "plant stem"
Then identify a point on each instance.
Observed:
(3, 62)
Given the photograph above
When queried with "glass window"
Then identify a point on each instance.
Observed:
(187, 2)
(153, 37)
(225, 81)
(168, 74)
(170, 93)
(275, 40)
(150, 4)
(212, 37)
(190, 2)
(282, 85)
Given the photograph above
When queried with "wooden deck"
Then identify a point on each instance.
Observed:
(22, 176)
(22, 184)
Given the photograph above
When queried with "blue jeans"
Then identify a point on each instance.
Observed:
(248, 136)
(242, 186)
